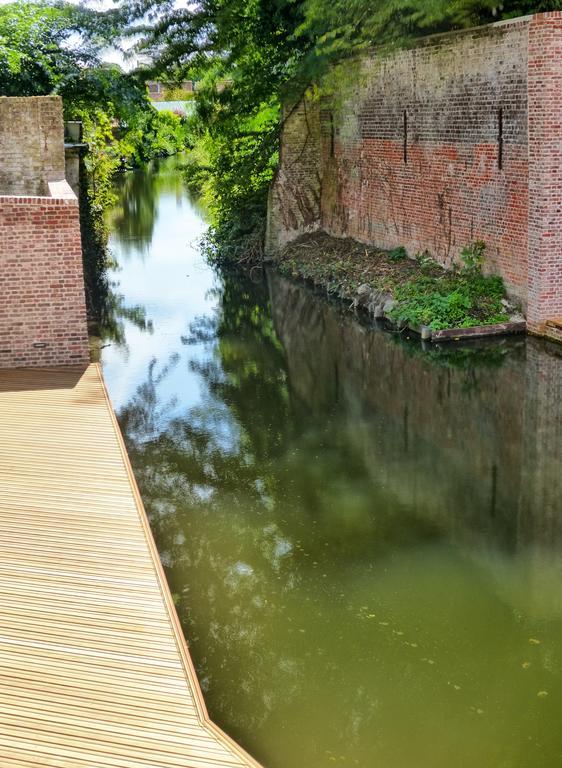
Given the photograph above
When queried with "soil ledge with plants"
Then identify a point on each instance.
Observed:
(409, 293)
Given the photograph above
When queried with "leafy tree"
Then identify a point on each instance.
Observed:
(44, 43)
(242, 53)
(250, 56)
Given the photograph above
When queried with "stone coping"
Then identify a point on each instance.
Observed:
(60, 194)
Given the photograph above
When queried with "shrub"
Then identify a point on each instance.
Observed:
(453, 300)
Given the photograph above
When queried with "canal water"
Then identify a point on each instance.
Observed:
(363, 538)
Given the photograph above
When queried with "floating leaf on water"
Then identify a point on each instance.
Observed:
(534, 641)
(542, 694)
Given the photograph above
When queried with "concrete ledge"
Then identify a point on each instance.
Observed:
(60, 194)
(61, 190)
(479, 331)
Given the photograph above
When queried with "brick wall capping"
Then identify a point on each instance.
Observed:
(60, 194)
(373, 50)
(515, 21)
(61, 190)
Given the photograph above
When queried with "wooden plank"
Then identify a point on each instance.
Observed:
(94, 669)
(479, 331)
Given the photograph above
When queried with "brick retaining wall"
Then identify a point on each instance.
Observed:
(454, 140)
(42, 311)
(42, 302)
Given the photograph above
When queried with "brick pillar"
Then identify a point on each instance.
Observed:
(545, 170)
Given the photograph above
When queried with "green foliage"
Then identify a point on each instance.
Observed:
(154, 134)
(472, 256)
(398, 254)
(44, 43)
(249, 56)
(56, 47)
(242, 53)
(239, 167)
(453, 300)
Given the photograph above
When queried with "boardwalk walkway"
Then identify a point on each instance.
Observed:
(93, 668)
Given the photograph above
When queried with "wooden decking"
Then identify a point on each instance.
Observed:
(94, 671)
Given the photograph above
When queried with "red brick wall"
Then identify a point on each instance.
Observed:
(42, 308)
(545, 165)
(429, 148)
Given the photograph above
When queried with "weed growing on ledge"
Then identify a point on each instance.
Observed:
(459, 299)
(472, 256)
(423, 292)
(397, 254)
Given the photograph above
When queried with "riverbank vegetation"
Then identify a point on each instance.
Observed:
(410, 292)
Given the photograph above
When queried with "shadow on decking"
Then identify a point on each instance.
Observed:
(35, 379)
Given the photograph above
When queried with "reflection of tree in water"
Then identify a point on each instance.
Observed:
(114, 313)
(132, 222)
(254, 505)
(106, 306)
(213, 465)
(134, 216)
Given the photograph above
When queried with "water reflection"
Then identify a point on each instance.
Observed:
(364, 543)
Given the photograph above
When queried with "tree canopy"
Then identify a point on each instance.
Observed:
(43, 43)
(249, 56)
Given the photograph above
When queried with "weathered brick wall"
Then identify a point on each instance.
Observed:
(545, 169)
(294, 197)
(42, 310)
(430, 148)
(42, 302)
(31, 144)
(419, 163)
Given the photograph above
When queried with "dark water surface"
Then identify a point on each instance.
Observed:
(364, 541)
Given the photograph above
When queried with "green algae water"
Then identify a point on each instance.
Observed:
(363, 538)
